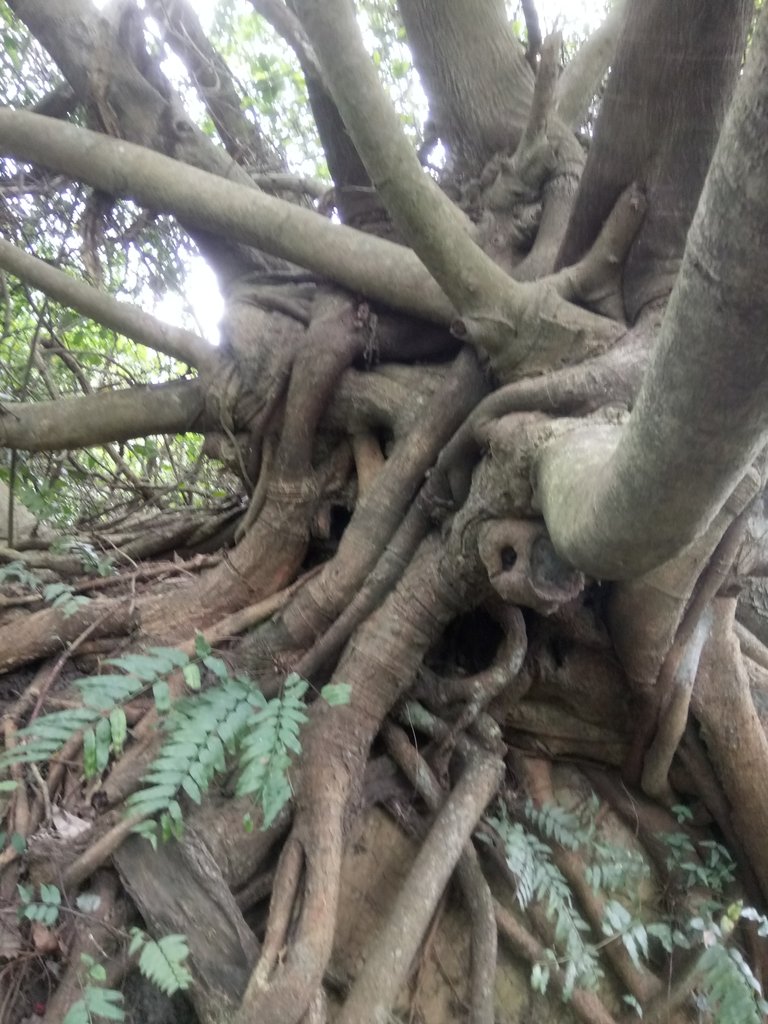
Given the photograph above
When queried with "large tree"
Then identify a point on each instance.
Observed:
(495, 396)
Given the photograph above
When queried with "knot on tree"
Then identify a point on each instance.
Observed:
(523, 566)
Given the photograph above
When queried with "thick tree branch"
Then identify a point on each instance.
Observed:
(123, 317)
(379, 269)
(618, 502)
(679, 63)
(508, 321)
(491, 304)
(103, 416)
(475, 74)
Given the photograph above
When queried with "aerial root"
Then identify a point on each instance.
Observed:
(668, 714)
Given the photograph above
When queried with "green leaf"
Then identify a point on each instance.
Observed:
(145, 667)
(191, 674)
(177, 658)
(88, 903)
(162, 962)
(90, 758)
(202, 647)
(118, 725)
(104, 1002)
(336, 693)
(50, 894)
(162, 694)
(103, 733)
(217, 666)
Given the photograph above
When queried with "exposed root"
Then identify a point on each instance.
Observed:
(378, 514)
(734, 735)
(639, 981)
(394, 640)
(587, 1006)
(477, 895)
(389, 960)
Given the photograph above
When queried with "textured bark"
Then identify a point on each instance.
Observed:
(660, 119)
(475, 74)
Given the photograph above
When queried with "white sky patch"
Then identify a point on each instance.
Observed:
(202, 302)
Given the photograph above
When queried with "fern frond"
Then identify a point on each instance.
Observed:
(730, 988)
(530, 861)
(97, 1003)
(162, 961)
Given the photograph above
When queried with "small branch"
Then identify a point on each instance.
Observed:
(98, 854)
(372, 266)
(123, 317)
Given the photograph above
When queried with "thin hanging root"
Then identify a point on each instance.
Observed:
(281, 907)
(477, 895)
(674, 685)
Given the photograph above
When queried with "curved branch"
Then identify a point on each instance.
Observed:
(127, 319)
(507, 320)
(174, 408)
(492, 306)
(619, 502)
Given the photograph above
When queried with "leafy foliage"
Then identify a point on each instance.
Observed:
(530, 861)
(45, 909)
(727, 987)
(97, 1003)
(58, 595)
(162, 961)
(229, 721)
